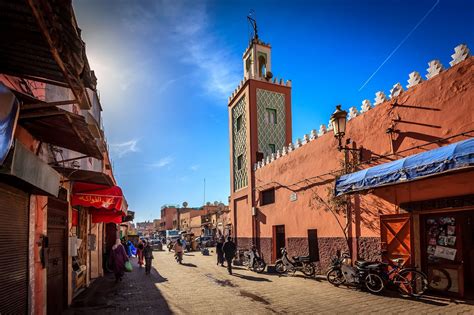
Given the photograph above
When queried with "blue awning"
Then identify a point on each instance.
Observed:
(448, 158)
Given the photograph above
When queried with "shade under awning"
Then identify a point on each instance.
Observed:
(61, 128)
(85, 176)
(456, 156)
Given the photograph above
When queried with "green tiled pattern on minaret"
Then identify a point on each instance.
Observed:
(269, 133)
(239, 144)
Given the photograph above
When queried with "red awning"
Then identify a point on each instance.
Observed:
(105, 202)
(106, 216)
(97, 196)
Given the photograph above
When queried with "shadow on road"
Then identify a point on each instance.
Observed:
(251, 278)
(137, 293)
(189, 265)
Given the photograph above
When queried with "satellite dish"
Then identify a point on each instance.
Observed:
(268, 75)
(185, 204)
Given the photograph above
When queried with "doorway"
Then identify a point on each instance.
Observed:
(279, 241)
(396, 237)
(447, 250)
(57, 254)
(313, 247)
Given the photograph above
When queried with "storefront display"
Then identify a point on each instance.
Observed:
(447, 239)
(441, 239)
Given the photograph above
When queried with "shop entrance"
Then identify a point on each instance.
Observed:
(278, 241)
(447, 251)
(57, 265)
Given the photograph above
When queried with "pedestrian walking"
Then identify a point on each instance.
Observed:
(220, 252)
(229, 248)
(118, 258)
(140, 248)
(148, 254)
(184, 244)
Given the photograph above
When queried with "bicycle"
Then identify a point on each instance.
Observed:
(409, 281)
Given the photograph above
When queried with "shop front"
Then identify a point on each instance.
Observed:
(432, 222)
(93, 206)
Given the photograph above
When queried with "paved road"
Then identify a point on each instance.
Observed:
(199, 286)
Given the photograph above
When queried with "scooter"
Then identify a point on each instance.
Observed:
(254, 261)
(297, 263)
(363, 274)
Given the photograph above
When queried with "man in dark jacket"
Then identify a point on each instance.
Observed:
(148, 254)
(219, 252)
(229, 248)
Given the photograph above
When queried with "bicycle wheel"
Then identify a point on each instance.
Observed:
(335, 277)
(411, 283)
(374, 283)
(439, 279)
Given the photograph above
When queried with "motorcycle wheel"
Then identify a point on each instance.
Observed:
(374, 283)
(308, 269)
(280, 268)
(259, 266)
(335, 277)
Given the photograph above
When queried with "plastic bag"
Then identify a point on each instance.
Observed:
(128, 266)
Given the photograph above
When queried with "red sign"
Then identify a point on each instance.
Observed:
(97, 196)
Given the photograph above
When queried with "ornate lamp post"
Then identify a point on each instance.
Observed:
(338, 122)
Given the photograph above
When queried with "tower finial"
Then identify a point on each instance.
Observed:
(253, 22)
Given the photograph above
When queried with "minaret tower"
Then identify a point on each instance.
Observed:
(259, 125)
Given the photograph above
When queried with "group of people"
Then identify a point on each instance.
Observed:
(120, 255)
(226, 251)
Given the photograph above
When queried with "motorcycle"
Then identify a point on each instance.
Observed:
(363, 274)
(296, 263)
(254, 261)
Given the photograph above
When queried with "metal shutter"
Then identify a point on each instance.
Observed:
(13, 250)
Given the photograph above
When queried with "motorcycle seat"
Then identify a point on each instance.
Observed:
(301, 258)
(362, 263)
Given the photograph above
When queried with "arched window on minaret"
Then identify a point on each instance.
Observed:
(262, 66)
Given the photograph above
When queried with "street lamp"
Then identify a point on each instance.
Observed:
(338, 122)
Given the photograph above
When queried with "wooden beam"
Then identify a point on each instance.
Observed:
(39, 115)
(42, 105)
(74, 82)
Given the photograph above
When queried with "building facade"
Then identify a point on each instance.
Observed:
(288, 198)
(51, 144)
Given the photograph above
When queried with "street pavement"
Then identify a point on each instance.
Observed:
(198, 286)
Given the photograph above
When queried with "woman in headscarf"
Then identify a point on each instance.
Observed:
(118, 258)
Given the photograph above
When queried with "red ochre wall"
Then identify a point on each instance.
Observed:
(434, 109)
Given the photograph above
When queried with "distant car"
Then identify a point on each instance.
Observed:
(206, 241)
(156, 244)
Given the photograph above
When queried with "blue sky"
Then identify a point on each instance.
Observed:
(166, 68)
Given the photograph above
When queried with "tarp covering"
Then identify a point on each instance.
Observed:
(97, 196)
(9, 110)
(448, 158)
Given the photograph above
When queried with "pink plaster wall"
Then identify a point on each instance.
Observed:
(434, 109)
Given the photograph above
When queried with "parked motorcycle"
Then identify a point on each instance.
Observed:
(296, 263)
(254, 261)
(363, 274)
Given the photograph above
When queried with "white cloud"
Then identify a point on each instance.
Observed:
(162, 162)
(120, 149)
(194, 167)
(185, 28)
